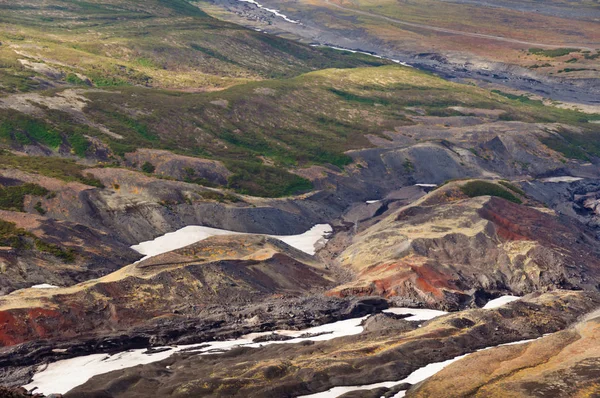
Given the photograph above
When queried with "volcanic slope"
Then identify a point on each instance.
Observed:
(467, 241)
(161, 44)
(221, 270)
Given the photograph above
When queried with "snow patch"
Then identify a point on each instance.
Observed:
(427, 185)
(44, 286)
(306, 242)
(499, 302)
(361, 52)
(561, 179)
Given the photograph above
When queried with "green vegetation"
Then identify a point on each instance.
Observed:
(156, 43)
(259, 180)
(554, 53)
(72, 78)
(521, 98)
(567, 70)
(574, 145)
(56, 130)
(512, 187)
(38, 207)
(262, 129)
(25, 131)
(62, 169)
(536, 66)
(483, 188)
(67, 255)
(20, 239)
(310, 113)
(525, 109)
(148, 167)
(11, 198)
(10, 235)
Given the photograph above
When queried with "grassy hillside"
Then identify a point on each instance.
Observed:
(100, 79)
(262, 129)
(155, 43)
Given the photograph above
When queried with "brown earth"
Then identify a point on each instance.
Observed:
(180, 167)
(564, 364)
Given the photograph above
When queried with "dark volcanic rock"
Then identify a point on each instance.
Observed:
(95, 254)
(272, 337)
(386, 321)
(214, 322)
(297, 369)
(377, 392)
(230, 269)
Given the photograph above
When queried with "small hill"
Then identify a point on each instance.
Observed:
(449, 250)
(230, 269)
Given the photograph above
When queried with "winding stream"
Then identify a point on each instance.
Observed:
(271, 10)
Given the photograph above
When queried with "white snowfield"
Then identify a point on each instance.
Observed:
(417, 314)
(306, 242)
(62, 376)
(499, 302)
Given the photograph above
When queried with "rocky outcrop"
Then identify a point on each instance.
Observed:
(58, 253)
(139, 207)
(451, 251)
(19, 392)
(134, 207)
(573, 197)
(184, 168)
